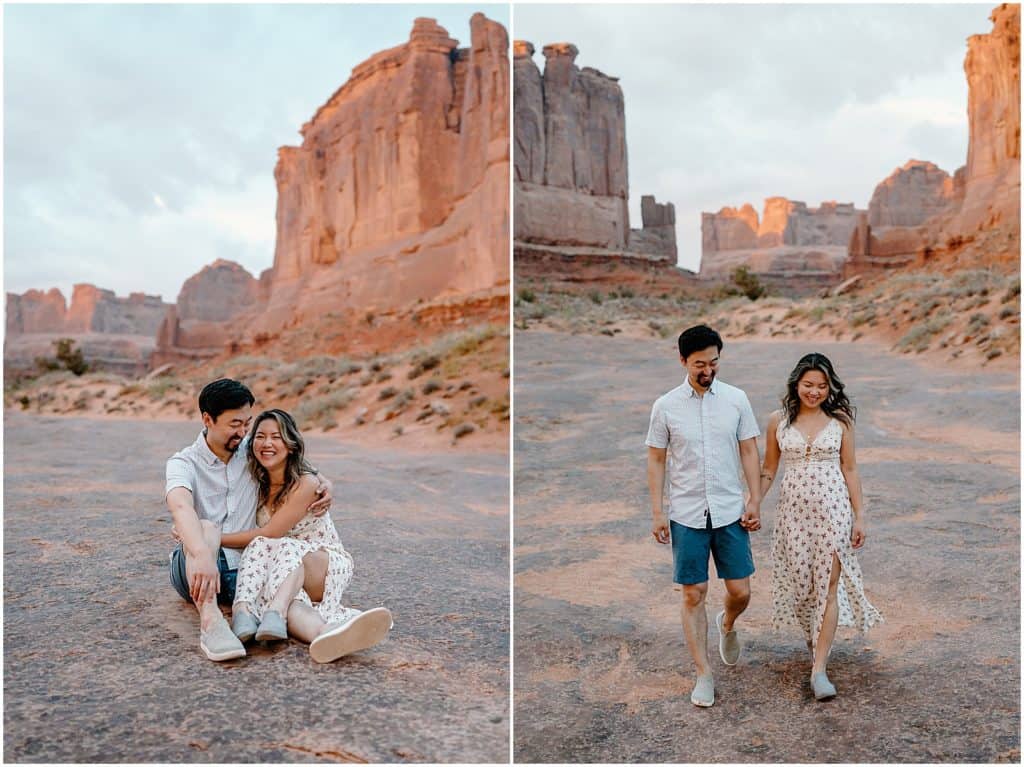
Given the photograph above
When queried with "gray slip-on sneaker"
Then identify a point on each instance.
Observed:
(243, 624)
(728, 643)
(357, 633)
(703, 692)
(272, 627)
(220, 643)
(823, 689)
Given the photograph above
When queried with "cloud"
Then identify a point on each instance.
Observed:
(140, 140)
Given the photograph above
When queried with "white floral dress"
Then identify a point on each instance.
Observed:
(813, 520)
(266, 562)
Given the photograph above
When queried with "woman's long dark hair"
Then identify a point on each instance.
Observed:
(836, 405)
(295, 465)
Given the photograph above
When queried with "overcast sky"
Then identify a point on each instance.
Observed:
(728, 104)
(140, 141)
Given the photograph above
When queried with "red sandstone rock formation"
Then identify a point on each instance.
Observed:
(981, 214)
(911, 195)
(36, 312)
(571, 171)
(115, 333)
(792, 246)
(396, 198)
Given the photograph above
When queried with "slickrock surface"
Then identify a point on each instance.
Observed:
(396, 200)
(102, 660)
(601, 669)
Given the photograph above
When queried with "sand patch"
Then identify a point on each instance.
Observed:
(602, 581)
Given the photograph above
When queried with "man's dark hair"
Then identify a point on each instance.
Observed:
(697, 338)
(224, 394)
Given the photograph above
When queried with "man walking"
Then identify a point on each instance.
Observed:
(701, 434)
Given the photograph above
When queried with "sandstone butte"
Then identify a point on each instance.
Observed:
(119, 332)
(919, 214)
(571, 187)
(396, 202)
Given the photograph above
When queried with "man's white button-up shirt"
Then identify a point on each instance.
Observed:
(224, 493)
(702, 435)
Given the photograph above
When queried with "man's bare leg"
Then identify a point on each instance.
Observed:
(208, 610)
(695, 626)
(737, 597)
(315, 564)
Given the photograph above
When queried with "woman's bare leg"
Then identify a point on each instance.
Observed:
(304, 622)
(287, 591)
(830, 621)
(316, 564)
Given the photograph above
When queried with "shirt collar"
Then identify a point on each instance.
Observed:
(205, 452)
(691, 392)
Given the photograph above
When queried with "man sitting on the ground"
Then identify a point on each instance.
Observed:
(210, 490)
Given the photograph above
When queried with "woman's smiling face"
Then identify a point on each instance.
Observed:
(268, 445)
(812, 388)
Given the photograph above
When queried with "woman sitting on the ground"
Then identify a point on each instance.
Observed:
(270, 602)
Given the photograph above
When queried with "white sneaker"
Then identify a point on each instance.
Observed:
(357, 633)
(219, 641)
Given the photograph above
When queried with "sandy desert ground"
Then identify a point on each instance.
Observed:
(102, 661)
(601, 670)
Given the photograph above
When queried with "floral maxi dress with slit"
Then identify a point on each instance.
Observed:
(813, 520)
(266, 562)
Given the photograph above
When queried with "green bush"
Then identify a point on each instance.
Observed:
(748, 283)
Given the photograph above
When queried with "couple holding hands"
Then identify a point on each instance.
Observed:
(702, 435)
(251, 517)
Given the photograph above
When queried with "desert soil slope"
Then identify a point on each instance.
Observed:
(102, 662)
(601, 670)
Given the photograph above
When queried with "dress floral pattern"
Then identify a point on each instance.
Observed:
(266, 562)
(813, 520)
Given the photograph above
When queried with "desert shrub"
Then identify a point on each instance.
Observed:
(431, 386)
(424, 364)
(527, 296)
(387, 392)
(977, 322)
(925, 306)
(1007, 312)
(595, 296)
(463, 429)
(384, 375)
(866, 316)
(159, 387)
(919, 337)
(1011, 292)
(626, 293)
(319, 411)
(747, 283)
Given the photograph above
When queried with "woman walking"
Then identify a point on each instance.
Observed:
(820, 521)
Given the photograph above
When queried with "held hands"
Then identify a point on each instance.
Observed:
(659, 528)
(859, 533)
(751, 519)
(321, 505)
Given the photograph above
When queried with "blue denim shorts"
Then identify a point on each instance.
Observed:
(729, 545)
(180, 580)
